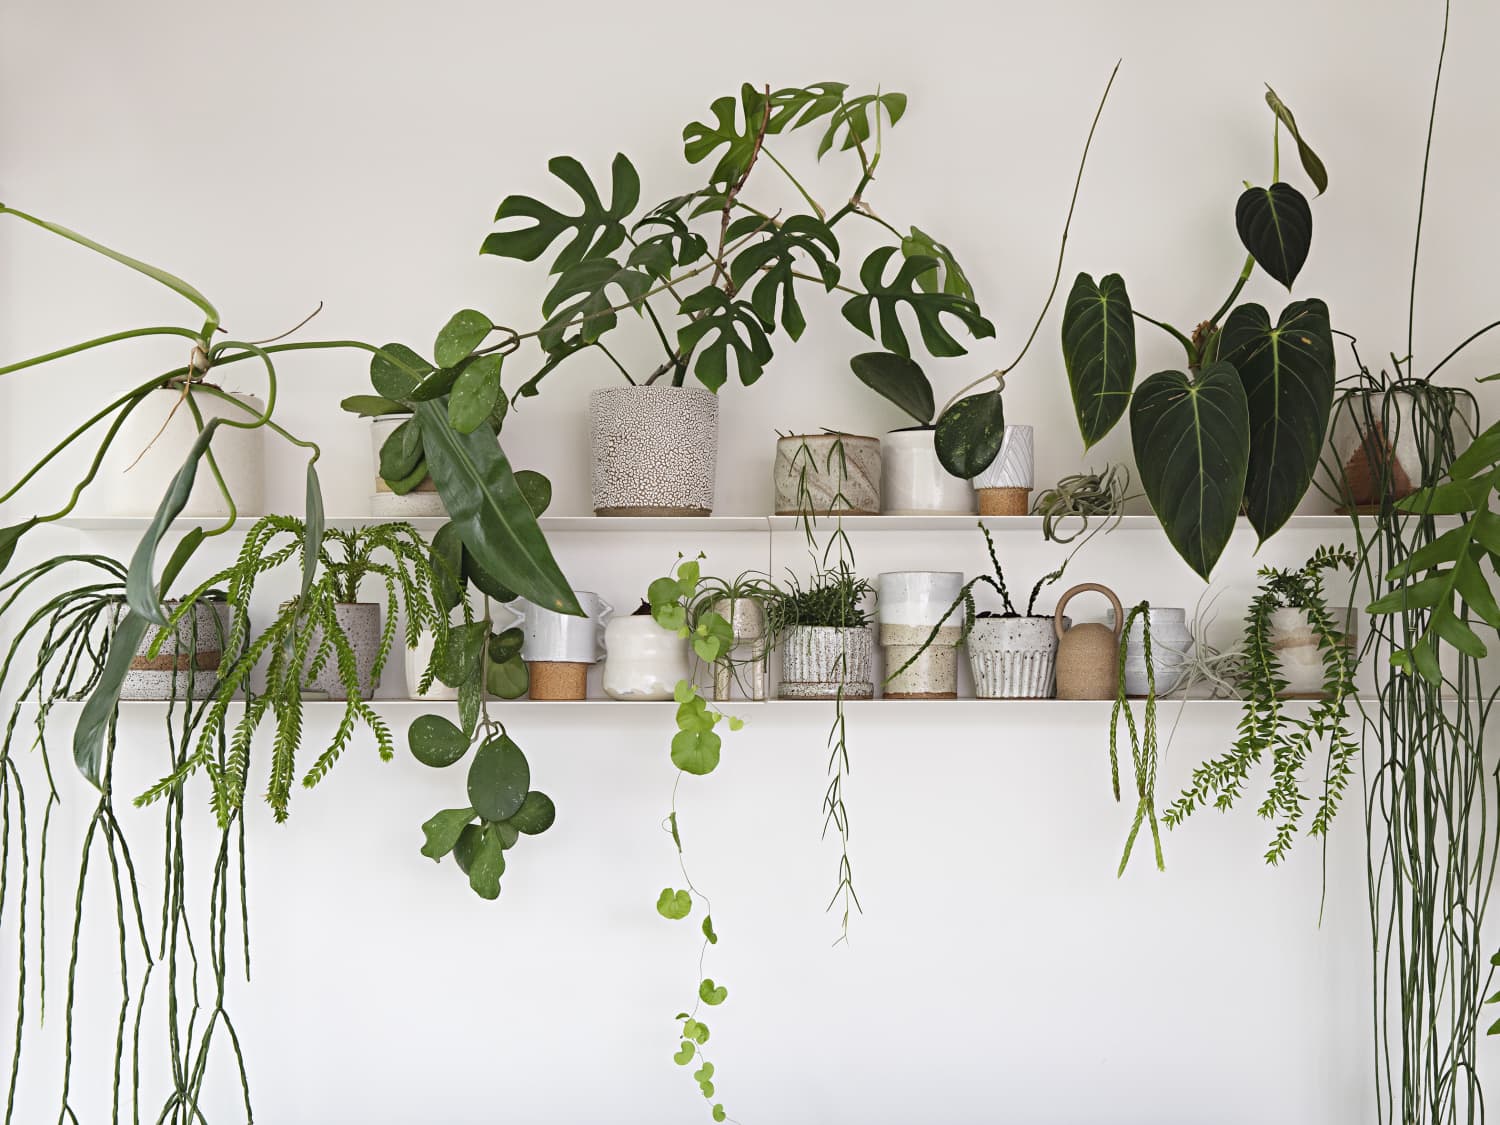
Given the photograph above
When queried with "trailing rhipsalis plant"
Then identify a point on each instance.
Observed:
(1143, 747)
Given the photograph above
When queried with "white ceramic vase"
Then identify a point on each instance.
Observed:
(153, 443)
(645, 661)
(417, 660)
(1299, 655)
(560, 638)
(746, 663)
(359, 622)
(655, 450)
(420, 501)
(186, 667)
(913, 481)
(1014, 657)
(1004, 488)
(1171, 644)
(827, 474)
(817, 660)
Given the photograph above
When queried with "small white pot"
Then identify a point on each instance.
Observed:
(827, 475)
(562, 638)
(1004, 488)
(655, 450)
(1171, 643)
(187, 665)
(359, 622)
(916, 597)
(153, 443)
(746, 663)
(816, 660)
(417, 660)
(420, 501)
(645, 661)
(913, 481)
(1014, 657)
(1299, 656)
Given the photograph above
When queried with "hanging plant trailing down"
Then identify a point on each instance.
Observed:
(1266, 726)
(695, 750)
(1242, 429)
(1143, 747)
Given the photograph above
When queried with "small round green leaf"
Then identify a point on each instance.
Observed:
(674, 905)
(442, 831)
(402, 485)
(708, 930)
(696, 751)
(465, 330)
(719, 1113)
(506, 832)
(499, 779)
(435, 741)
(710, 993)
(685, 1053)
(475, 393)
(535, 488)
(447, 559)
(506, 645)
(536, 814)
(509, 679)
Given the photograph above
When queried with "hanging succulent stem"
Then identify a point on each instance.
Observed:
(1143, 748)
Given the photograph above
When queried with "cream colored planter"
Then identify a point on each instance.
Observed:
(827, 475)
(644, 661)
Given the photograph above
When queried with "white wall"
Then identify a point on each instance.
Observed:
(283, 154)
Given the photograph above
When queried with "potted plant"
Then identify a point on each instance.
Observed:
(181, 662)
(729, 274)
(822, 630)
(827, 474)
(1171, 647)
(741, 602)
(914, 604)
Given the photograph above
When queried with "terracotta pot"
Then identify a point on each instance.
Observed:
(1004, 489)
(645, 661)
(1014, 657)
(827, 475)
(186, 667)
(913, 480)
(420, 501)
(1087, 654)
(655, 450)
(817, 660)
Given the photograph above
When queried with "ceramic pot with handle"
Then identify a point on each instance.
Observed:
(1088, 654)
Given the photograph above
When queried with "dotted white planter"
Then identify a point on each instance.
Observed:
(655, 450)
(187, 664)
(360, 624)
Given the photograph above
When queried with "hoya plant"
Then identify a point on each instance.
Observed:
(1242, 427)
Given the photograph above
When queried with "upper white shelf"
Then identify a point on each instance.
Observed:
(708, 525)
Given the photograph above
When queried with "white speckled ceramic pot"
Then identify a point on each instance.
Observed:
(153, 443)
(827, 475)
(913, 481)
(644, 661)
(1171, 642)
(359, 622)
(746, 666)
(1014, 657)
(817, 659)
(187, 664)
(914, 672)
(1004, 489)
(1299, 656)
(420, 501)
(655, 450)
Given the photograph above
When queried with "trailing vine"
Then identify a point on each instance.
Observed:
(1143, 747)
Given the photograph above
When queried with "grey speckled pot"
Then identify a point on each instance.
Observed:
(933, 674)
(655, 450)
(816, 659)
(828, 474)
(1014, 657)
(187, 666)
(360, 624)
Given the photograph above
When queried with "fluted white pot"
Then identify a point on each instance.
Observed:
(1299, 653)
(827, 474)
(644, 661)
(1171, 644)
(655, 450)
(817, 660)
(153, 443)
(420, 501)
(913, 480)
(1014, 657)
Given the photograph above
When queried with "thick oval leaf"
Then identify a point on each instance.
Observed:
(970, 433)
(897, 378)
(464, 332)
(1275, 224)
(436, 742)
(436, 385)
(475, 393)
(373, 406)
(1287, 372)
(487, 866)
(536, 488)
(402, 485)
(506, 833)
(401, 451)
(496, 524)
(447, 561)
(467, 847)
(536, 814)
(499, 779)
(1192, 445)
(507, 679)
(485, 582)
(1098, 340)
(442, 831)
(506, 645)
(463, 652)
(396, 371)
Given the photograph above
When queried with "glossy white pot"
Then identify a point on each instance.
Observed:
(153, 443)
(917, 597)
(420, 501)
(645, 661)
(560, 638)
(655, 450)
(913, 481)
(417, 660)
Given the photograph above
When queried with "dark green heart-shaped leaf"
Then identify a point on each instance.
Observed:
(929, 308)
(598, 230)
(465, 331)
(1288, 376)
(1275, 224)
(475, 392)
(1310, 162)
(401, 451)
(442, 831)
(536, 814)
(499, 779)
(396, 371)
(1192, 444)
(970, 433)
(899, 379)
(1098, 342)
(373, 406)
(436, 742)
(487, 866)
(496, 523)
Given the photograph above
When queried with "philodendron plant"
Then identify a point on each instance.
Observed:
(714, 274)
(1242, 428)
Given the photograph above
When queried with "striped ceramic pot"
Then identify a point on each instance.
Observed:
(186, 665)
(1014, 657)
(818, 660)
(1004, 489)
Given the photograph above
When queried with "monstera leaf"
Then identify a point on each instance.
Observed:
(732, 130)
(1450, 569)
(736, 325)
(949, 277)
(598, 230)
(1275, 224)
(677, 245)
(1192, 444)
(794, 107)
(775, 256)
(1098, 340)
(929, 308)
(852, 116)
(586, 287)
(898, 379)
(1287, 372)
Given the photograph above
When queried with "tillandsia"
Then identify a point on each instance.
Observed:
(1266, 725)
(1243, 427)
(695, 750)
(1083, 496)
(1143, 742)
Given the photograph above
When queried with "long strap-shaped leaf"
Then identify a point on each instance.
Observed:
(497, 526)
(1192, 444)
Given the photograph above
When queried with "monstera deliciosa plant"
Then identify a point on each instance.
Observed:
(1242, 428)
(715, 275)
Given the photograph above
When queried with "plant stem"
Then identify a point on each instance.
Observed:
(99, 341)
(1445, 359)
(1416, 251)
(1245, 273)
(802, 191)
(1192, 351)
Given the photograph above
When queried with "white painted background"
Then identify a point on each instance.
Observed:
(283, 154)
